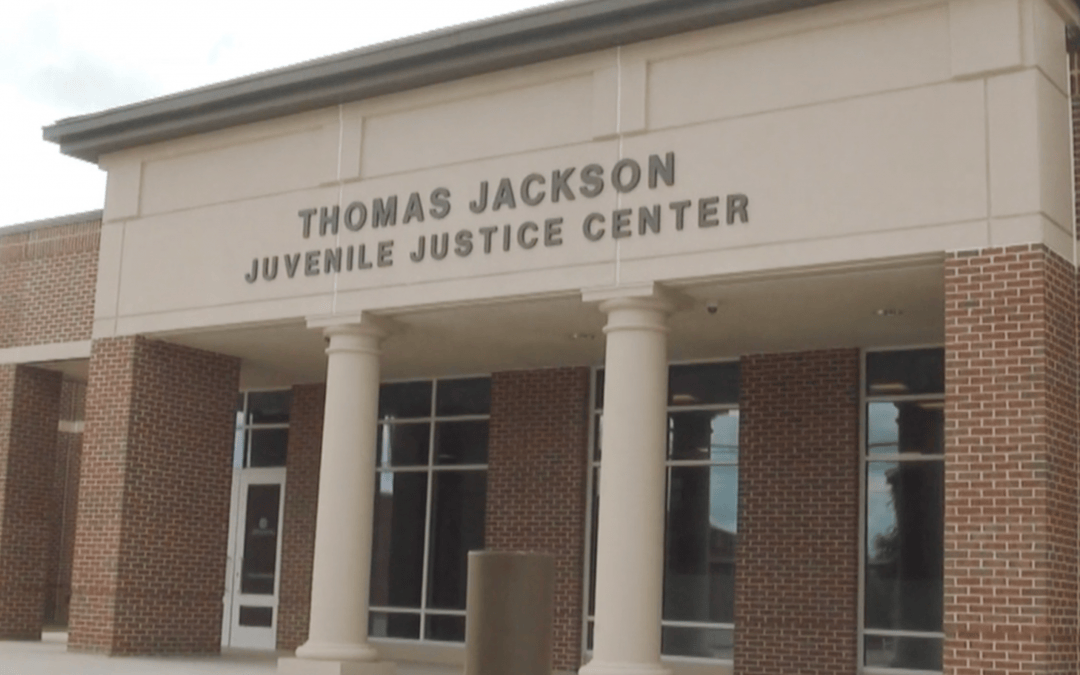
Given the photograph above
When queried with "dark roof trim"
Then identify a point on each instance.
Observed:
(71, 219)
(550, 32)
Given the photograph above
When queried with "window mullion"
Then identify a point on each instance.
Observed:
(428, 516)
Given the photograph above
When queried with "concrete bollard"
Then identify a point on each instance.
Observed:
(509, 613)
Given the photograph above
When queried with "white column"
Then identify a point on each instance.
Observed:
(630, 537)
(337, 638)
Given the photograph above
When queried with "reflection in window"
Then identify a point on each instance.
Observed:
(431, 492)
(903, 568)
(259, 569)
(702, 511)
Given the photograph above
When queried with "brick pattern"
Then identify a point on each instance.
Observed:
(48, 278)
(537, 463)
(64, 502)
(152, 529)
(797, 562)
(298, 522)
(29, 411)
(1011, 463)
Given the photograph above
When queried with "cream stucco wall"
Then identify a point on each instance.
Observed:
(856, 130)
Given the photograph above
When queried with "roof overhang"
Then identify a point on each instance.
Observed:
(550, 32)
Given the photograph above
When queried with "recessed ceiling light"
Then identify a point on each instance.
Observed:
(888, 311)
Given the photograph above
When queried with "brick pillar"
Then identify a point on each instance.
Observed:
(301, 505)
(152, 530)
(537, 459)
(29, 414)
(797, 572)
(1010, 463)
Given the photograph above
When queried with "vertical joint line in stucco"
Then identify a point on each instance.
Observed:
(619, 135)
(119, 281)
(340, 197)
(989, 155)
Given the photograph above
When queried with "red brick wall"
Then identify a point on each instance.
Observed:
(152, 531)
(29, 411)
(1011, 463)
(537, 462)
(64, 502)
(298, 523)
(47, 284)
(797, 564)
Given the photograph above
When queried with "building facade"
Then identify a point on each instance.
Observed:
(759, 317)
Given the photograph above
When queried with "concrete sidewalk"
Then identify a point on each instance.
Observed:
(50, 657)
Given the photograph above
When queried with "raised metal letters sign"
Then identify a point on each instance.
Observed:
(386, 215)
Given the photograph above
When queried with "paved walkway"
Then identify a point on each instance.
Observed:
(50, 657)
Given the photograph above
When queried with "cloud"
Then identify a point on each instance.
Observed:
(84, 83)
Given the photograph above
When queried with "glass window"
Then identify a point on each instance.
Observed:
(702, 510)
(397, 566)
(269, 447)
(262, 429)
(259, 569)
(457, 527)
(703, 384)
(463, 397)
(903, 427)
(431, 494)
(903, 559)
(404, 444)
(461, 442)
(394, 625)
(918, 371)
(269, 407)
(405, 400)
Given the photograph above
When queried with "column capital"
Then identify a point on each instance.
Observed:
(362, 332)
(363, 322)
(645, 296)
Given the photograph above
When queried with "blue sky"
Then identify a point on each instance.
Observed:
(63, 58)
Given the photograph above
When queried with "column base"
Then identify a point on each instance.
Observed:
(595, 667)
(295, 666)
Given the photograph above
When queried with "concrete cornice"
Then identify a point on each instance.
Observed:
(550, 32)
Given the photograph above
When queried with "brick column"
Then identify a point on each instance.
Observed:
(298, 523)
(152, 530)
(797, 573)
(537, 462)
(1010, 463)
(29, 414)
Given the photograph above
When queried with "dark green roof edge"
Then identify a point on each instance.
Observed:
(548, 32)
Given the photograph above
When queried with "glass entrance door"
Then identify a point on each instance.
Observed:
(252, 602)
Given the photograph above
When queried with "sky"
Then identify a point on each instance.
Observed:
(64, 58)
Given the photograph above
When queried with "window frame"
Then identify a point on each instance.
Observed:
(865, 399)
(430, 469)
(241, 424)
(593, 465)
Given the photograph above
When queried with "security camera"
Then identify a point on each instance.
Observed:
(711, 306)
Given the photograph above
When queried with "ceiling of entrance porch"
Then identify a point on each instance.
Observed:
(870, 305)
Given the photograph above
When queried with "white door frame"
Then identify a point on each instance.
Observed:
(232, 633)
